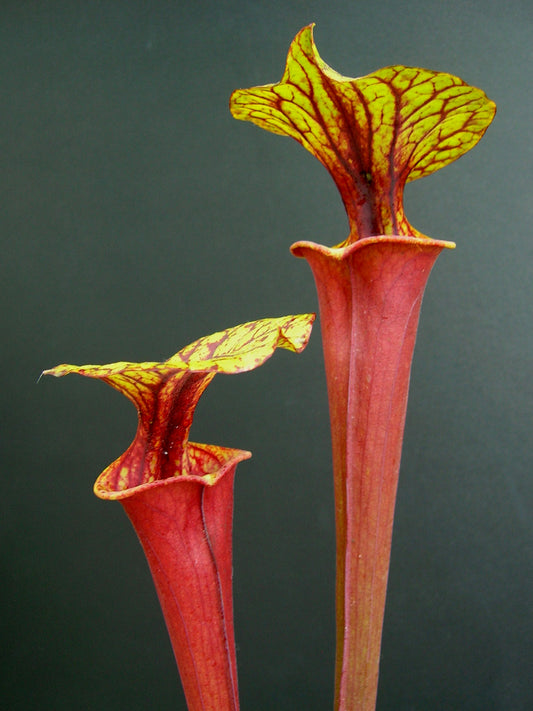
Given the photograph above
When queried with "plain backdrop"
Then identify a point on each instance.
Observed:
(136, 215)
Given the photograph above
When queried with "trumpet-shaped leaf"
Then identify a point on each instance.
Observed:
(179, 495)
(370, 294)
(373, 133)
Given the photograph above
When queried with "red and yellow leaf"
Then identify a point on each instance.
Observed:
(373, 133)
(166, 394)
(247, 346)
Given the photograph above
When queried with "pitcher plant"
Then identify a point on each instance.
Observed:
(373, 134)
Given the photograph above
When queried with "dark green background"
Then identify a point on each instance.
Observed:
(137, 215)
